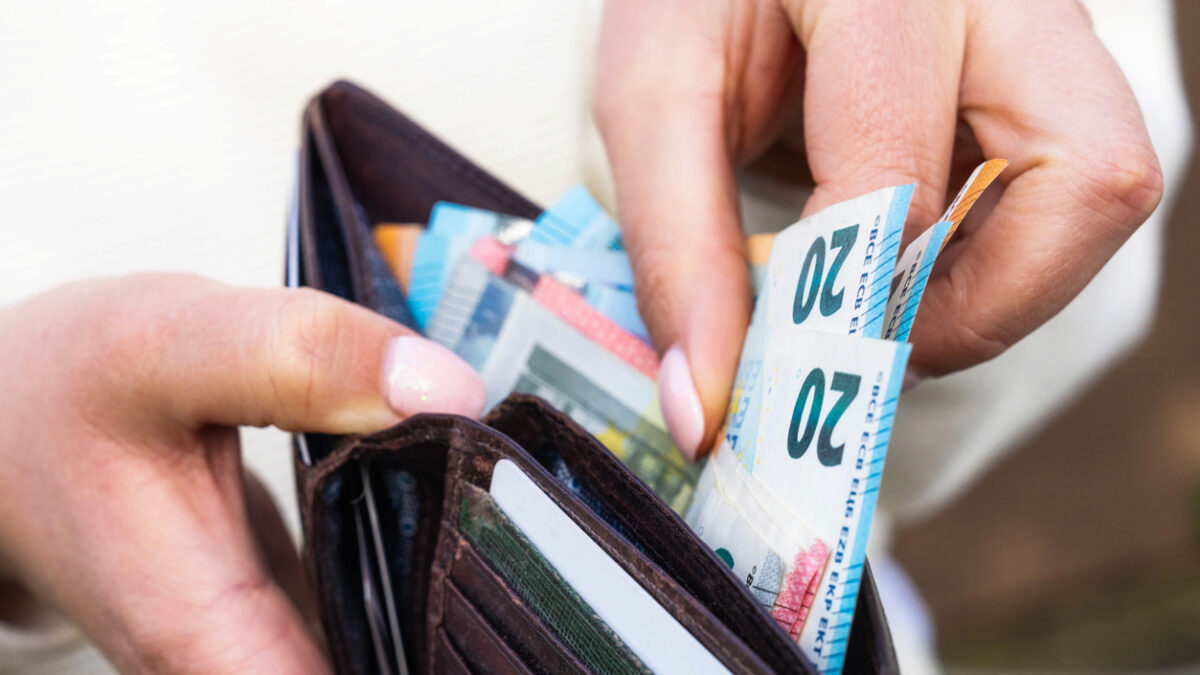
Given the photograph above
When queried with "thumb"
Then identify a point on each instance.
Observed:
(678, 210)
(297, 359)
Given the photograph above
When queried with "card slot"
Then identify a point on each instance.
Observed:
(452, 663)
(666, 557)
(499, 604)
(476, 641)
(408, 496)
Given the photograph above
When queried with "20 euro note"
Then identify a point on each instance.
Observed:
(908, 285)
(916, 262)
(452, 230)
(519, 345)
(475, 288)
(809, 446)
(832, 270)
(742, 525)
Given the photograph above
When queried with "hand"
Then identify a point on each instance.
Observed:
(688, 90)
(121, 489)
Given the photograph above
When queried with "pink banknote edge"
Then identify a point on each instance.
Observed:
(799, 588)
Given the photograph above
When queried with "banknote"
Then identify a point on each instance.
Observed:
(601, 266)
(832, 270)
(980, 179)
(758, 254)
(534, 351)
(916, 262)
(807, 436)
(751, 533)
(908, 284)
(617, 304)
(397, 241)
(452, 230)
(576, 220)
(476, 288)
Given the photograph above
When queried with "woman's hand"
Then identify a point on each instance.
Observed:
(687, 90)
(122, 496)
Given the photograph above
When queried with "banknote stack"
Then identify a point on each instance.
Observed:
(786, 499)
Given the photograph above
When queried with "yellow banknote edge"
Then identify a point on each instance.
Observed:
(397, 241)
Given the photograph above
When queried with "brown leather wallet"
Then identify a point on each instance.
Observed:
(400, 587)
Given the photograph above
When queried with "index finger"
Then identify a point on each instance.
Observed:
(880, 98)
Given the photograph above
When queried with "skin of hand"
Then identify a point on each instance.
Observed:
(889, 93)
(122, 494)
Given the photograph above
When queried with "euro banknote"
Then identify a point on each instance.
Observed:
(484, 284)
(908, 284)
(788, 497)
(832, 270)
(534, 351)
(576, 220)
(452, 230)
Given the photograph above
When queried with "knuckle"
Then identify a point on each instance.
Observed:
(972, 337)
(1122, 181)
(976, 345)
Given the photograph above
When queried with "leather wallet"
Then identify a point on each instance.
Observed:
(402, 580)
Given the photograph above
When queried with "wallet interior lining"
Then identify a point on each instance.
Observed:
(410, 558)
(398, 171)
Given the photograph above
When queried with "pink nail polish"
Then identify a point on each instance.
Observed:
(422, 376)
(680, 403)
(911, 380)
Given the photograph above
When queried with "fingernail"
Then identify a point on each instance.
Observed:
(911, 380)
(423, 376)
(680, 403)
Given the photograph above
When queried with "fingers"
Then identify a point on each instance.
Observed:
(297, 359)
(190, 587)
(881, 90)
(659, 106)
(1040, 89)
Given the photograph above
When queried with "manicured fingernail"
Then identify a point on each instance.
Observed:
(680, 403)
(911, 380)
(422, 376)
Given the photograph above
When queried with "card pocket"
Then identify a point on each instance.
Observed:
(501, 607)
(687, 577)
(444, 653)
(476, 641)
